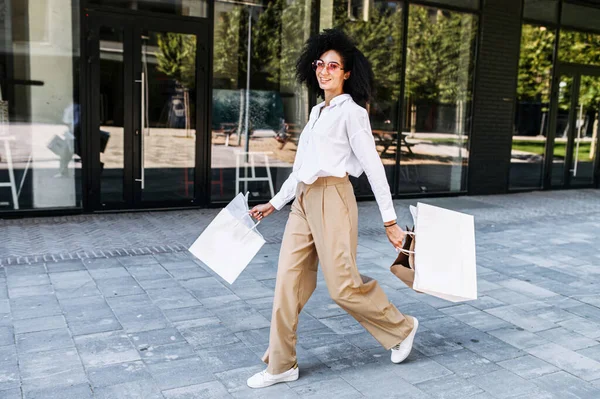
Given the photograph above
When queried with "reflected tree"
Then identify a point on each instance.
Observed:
(439, 53)
(177, 59)
(380, 39)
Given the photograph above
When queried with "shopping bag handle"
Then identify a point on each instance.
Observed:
(251, 228)
(404, 251)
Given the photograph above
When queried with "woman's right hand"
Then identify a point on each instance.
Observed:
(259, 212)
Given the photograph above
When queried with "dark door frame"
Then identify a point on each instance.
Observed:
(132, 27)
(575, 71)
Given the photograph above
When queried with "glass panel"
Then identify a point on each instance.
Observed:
(40, 164)
(188, 8)
(112, 131)
(438, 98)
(579, 47)
(255, 48)
(167, 109)
(541, 10)
(381, 24)
(581, 17)
(533, 107)
(565, 88)
(586, 132)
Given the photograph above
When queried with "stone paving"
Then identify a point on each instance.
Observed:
(78, 320)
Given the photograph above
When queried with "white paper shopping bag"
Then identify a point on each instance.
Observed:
(230, 241)
(444, 252)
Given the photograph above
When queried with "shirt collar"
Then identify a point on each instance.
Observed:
(337, 100)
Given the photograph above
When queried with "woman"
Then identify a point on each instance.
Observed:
(322, 226)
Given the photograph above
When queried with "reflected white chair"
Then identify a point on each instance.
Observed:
(11, 172)
(248, 159)
(6, 139)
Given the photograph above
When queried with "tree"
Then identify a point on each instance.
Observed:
(177, 59)
(226, 55)
(535, 64)
(439, 52)
(380, 40)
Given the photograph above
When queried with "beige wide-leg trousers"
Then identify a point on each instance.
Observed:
(322, 226)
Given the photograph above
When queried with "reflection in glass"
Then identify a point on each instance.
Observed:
(188, 8)
(533, 107)
(437, 101)
(112, 131)
(541, 10)
(565, 96)
(379, 36)
(40, 131)
(167, 105)
(585, 146)
(579, 47)
(258, 108)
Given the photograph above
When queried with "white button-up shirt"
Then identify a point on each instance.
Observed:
(337, 140)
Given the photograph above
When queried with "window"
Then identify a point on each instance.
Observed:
(258, 108)
(533, 107)
(379, 36)
(579, 47)
(437, 100)
(40, 132)
(189, 8)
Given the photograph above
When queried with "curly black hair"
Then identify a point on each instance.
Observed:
(360, 83)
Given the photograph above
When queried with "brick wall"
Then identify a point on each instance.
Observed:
(495, 89)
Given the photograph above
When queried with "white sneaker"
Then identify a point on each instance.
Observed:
(401, 351)
(265, 379)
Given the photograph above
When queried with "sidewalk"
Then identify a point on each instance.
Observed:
(112, 306)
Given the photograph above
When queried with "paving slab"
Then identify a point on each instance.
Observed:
(528, 367)
(580, 366)
(116, 374)
(55, 368)
(211, 389)
(102, 349)
(42, 341)
(142, 389)
(78, 391)
(566, 386)
(180, 373)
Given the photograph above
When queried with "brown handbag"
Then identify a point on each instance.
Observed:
(404, 265)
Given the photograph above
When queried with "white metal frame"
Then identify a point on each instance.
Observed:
(247, 159)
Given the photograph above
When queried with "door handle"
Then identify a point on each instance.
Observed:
(142, 127)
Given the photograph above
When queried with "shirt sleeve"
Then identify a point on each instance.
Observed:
(362, 143)
(288, 189)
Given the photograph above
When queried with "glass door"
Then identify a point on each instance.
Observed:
(148, 103)
(575, 109)
(584, 148)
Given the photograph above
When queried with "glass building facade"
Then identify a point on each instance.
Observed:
(144, 104)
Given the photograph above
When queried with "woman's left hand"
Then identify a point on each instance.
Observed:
(396, 235)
